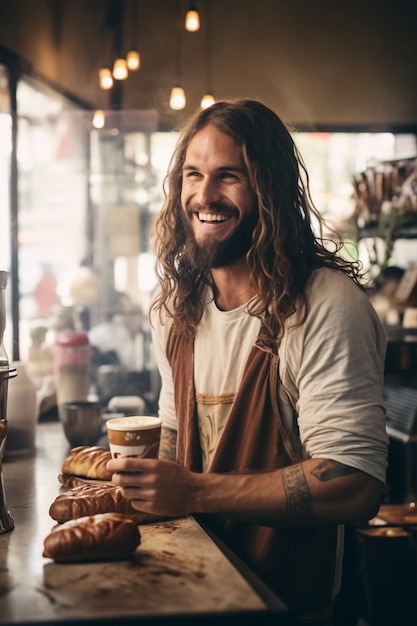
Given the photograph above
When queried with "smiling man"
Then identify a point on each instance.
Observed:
(271, 359)
(220, 206)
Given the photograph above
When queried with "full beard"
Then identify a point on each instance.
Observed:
(210, 253)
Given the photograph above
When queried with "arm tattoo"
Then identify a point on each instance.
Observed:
(299, 502)
(327, 470)
(298, 494)
(168, 445)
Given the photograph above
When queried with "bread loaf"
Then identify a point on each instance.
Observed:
(75, 481)
(87, 462)
(102, 537)
(89, 500)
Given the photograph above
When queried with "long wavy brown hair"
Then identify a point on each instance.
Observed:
(285, 249)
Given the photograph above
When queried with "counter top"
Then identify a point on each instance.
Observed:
(179, 574)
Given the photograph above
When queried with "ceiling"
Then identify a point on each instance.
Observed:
(351, 63)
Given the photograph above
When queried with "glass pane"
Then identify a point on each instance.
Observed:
(333, 160)
(129, 158)
(5, 154)
(52, 204)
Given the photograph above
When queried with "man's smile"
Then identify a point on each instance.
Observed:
(213, 217)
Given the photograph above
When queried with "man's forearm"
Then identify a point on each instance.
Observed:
(305, 493)
(310, 492)
(313, 491)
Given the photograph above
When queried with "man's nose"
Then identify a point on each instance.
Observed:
(208, 192)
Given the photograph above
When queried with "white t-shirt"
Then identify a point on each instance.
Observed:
(330, 370)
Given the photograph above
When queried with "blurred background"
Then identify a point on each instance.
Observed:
(82, 160)
(92, 96)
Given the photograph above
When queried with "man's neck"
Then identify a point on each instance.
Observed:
(231, 286)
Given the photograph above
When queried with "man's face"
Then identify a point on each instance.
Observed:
(220, 207)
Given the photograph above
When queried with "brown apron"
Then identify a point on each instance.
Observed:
(297, 563)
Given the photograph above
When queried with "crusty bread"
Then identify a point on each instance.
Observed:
(106, 536)
(87, 462)
(75, 481)
(90, 499)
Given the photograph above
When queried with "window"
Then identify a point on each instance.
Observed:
(333, 160)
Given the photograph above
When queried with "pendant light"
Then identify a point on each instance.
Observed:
(133, 56)
(133, 60)
(105, 78)
(177, 100)
(99, 119)
(208, 99)
(120, 69)
(192, 19)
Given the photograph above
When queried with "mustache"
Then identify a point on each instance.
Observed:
(215, 207)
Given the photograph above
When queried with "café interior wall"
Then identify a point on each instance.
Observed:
(352, 64)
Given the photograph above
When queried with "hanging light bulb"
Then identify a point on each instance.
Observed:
(105, 78)
(99, 119)
(177, 99)
(207, 100)
(192, 20)
(120, 69)
(133, 60)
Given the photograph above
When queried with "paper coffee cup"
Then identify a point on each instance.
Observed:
(134, 435)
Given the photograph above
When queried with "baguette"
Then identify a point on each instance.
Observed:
(87, 462)
(103, 537)
(75, 481)
(88, 499)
